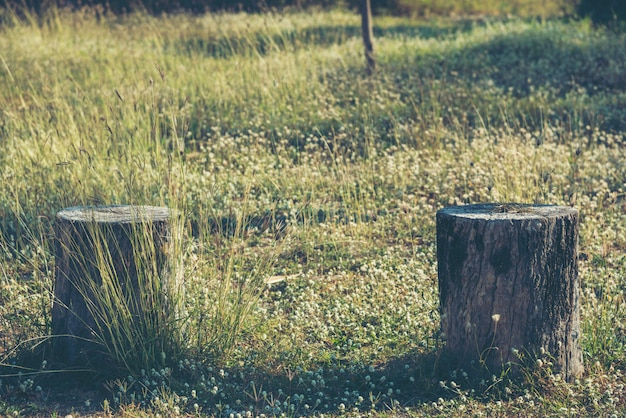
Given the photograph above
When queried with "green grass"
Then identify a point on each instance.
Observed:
(287, 160)
(430, 8)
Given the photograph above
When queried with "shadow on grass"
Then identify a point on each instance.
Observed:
(405, 381)
(276, 223)
(537, 75)
(412, 380)
(319, 36)
(31, 384)
(543, 73)
(533, 59)
(416, 379)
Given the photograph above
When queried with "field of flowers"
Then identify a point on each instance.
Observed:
(289, 164)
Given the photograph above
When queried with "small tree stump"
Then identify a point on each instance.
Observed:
(508, 285)
(97, 248)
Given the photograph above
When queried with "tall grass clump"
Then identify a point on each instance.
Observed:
(94, 145)
(228, 280)
(128, 278)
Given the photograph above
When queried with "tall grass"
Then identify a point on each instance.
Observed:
(116, 147)
(284, 159)
(119, 287)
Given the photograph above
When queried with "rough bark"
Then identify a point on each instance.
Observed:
(508, 285)
(368, 35)
(97, 242)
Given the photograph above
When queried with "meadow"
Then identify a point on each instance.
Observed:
(288, 164)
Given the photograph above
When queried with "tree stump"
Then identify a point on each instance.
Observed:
(508, 285)
(106, 258)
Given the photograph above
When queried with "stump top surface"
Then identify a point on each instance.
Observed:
(114, 214)
(508, 211)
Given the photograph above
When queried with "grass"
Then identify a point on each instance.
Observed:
(429, 8)
(287, 161)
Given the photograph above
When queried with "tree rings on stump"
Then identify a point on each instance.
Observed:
(508, 285)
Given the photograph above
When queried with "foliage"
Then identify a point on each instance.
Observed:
(288, 162)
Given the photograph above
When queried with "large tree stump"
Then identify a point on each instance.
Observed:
(508, 285)
(104, 258)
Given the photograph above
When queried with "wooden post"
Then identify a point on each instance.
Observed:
(97, 249)
(508, 285)
(368, 35)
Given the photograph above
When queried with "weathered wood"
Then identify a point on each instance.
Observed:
(93, 243)
(508, 284)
